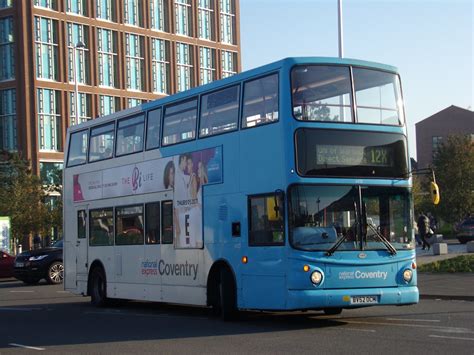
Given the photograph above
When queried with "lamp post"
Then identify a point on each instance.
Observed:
(78, 45)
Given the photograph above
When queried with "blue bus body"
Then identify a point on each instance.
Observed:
(262, 160)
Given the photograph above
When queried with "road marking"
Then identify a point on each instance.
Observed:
(162, 315)
(432, 327)
(16, 309)
(454, 338)
(361, 330)
(415, 320)
(62, 291)
(26, 347)
(22, 291)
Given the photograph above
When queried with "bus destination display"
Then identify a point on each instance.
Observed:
(348, 155)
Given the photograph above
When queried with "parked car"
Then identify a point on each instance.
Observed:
(465, 230)
(33, 265)
(6, 264)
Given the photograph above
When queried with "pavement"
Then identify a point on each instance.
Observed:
(451, 286)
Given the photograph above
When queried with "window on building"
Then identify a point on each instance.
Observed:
(167, 222)
(266, 226)
(129, 225)
(184, 53)
(160, 65)
(219, 111)
(7, 49)
(130, 135)
(101, 224)
(159, 15)
(133, 12)
(179, 122)
(4, 4)
(85, 108)
(51, 172)
(227, 9)
(77, 154)
(107, 57)
(135, 61)
(49, 119)
(132, 102)
(152, 222)
(76, 34)
(78, 7)
(436, 142)
(183, 17)
(260, 101)
(207, 65)
(46, 44)
(206, 19)
(153, 129)
(102, 142)
(108, 104)
(229, 63)
(8, 140)
(48, 4)
(107, 10)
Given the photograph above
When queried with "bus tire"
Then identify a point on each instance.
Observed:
(227, 296)
(98, 287)
(332, 311)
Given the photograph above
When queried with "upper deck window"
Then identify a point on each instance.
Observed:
(260, 101)
(130, 135)
(179, 123)
(153, 129)
(324, 93)
(102, 142)
(78, 148)
(219, 111)
(378, 97)
(321, 93)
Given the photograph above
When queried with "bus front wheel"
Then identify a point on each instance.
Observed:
(98, 286)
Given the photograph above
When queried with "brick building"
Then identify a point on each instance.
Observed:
(432, 130)
(125, 52)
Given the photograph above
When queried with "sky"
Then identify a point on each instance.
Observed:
(429, 41)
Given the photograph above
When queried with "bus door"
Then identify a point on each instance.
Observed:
(76, 249)
(263, 277)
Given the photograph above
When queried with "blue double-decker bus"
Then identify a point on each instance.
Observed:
(285, 187)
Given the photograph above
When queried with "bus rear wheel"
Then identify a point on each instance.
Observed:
(226, 296)
(98, 287)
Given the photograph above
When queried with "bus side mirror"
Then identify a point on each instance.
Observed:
(434, 193)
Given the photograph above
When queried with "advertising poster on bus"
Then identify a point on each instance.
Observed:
(185, 174)
(5, 234)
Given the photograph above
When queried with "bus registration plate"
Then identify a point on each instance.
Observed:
(364, 299)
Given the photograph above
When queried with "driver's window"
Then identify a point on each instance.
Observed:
(266, 226)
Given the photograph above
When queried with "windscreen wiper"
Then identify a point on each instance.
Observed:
(344, 237)
(384, 240)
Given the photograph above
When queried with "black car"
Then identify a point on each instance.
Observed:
(34, 265)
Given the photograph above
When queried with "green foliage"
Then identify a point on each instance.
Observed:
(24, 199)
(462, 263)
(421, 195)
(454, 168)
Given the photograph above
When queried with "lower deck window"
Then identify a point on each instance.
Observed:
(266, 226)
(102, 227)
(129, 221)
(167, 222)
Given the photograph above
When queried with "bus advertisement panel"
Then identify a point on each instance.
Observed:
(185, 174)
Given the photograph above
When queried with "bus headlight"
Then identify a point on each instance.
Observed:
(316, 277)
(407, 275)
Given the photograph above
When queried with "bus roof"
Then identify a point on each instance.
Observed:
(248, 74)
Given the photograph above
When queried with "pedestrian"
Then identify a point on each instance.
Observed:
(424, 229)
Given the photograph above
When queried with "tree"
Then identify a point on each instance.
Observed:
(22, 198)
(453, 164)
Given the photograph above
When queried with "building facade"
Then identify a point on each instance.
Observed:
(431, 131)
(119, 53)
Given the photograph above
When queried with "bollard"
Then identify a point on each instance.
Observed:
(440, 249)
(470, 247)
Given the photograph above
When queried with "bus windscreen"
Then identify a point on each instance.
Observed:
(321, 152)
